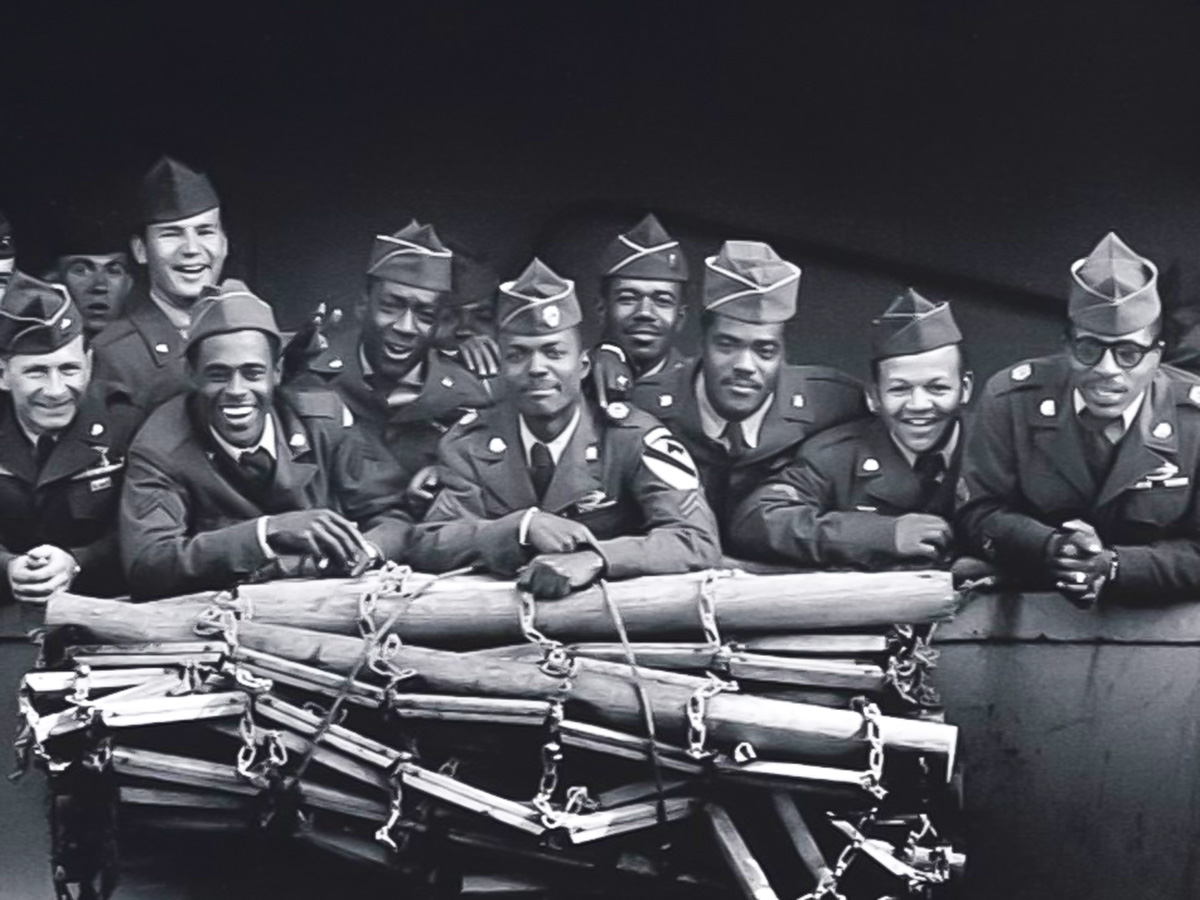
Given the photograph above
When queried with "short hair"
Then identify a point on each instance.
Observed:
(275, 342)
(964, 363)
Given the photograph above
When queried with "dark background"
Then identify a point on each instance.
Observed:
(972, 149)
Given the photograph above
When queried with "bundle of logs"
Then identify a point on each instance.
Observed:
(453, 731)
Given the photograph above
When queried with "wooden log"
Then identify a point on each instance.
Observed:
(777, 729)
(748, 874)
(467, 611)
(801, 837)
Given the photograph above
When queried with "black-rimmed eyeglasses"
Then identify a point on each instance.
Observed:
(1126, 354)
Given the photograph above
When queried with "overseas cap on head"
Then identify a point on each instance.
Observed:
(645, 251)
(475, 281)
(539, 302)
(171, 191)
(229, 308)
(1113, 289)
(748, 281)
(415, 256)
(912, 324)
(7, 249)
(36, 317)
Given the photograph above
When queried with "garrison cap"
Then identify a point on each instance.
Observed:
(475, 281)
(538, 302)
(1113, 289)
(415, 256)
(645, 251)
(229, 308)
(912, 324)
(37, 317)
(7, 249)
(748, 281)
(171, 191)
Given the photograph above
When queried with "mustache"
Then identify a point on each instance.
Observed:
(735, 381)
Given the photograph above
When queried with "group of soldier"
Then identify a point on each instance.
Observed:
(159, 436)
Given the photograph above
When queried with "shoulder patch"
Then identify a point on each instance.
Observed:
(667, 458)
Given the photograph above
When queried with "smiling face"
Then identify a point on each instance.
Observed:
(741, 363)
(918, 396)
(183, 257)
(98, 284)
(1106, 388)
(46, 387)
(399, 327)
(643, 316)
(235, 376)
(543, 373)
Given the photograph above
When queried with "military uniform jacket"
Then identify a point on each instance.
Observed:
(1025, 474)
(411, 431)
(807, 399)
(622, 474)
(143, 351)
(72, 502)
(837, 503)
(188, 521)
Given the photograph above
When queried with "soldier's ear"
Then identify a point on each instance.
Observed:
(871, 393)
(585, 363)
(968, 386)
(137, 246)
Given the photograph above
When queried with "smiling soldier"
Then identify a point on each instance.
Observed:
(741, 410)
(877, 491)
(182, 244)
(643, 277)
(1080, 470)
(548, 481)
(62, 445)
(236, 480)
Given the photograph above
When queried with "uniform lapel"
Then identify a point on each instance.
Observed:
(295, 465)
(1150, 443)
(448, 387)
(162, 339)
(500, 462)
(1057, 435)
(575, 474)
(888, 476)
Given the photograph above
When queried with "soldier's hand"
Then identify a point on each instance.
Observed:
(308, 342)
(549, 533)
(611, 375)
(42, 572)
(1081, 578)
(481, 355)
(322, 533)
(922, 536)
(555, 575)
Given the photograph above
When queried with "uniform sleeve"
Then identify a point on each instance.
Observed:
(159, 556)
(369, 487)
(990, 520)
(456, 531)
(792, 518)
(680, 529)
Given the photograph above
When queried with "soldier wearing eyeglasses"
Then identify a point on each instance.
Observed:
(1080, 472)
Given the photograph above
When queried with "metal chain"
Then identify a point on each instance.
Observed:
(551, 756)
(708, 609)
(556, 660)
(395, 810)
(873, 781)
(697, 709)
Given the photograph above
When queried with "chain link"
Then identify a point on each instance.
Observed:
(395, 810)
(697, 710)
(556, 660)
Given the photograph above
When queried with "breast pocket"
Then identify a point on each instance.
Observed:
(1160, 503)
(92, 499)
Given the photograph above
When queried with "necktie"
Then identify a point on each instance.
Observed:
(735, 439)
(541, 469)
(258, 467)
(1100, 439)
(45, 446)
(929, 468)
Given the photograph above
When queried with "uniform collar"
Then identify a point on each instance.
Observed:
(180, 319)
(1128, 416)
(947, 451)
(658, 367)
(713, 424)
(555, 446)
(265, 442)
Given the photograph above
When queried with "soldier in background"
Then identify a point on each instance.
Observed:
(548, 483)
(91, 259)
(467, 318)
(63, 438)
(8, 253)
(875, 492)
(182, 244)
(740, 409)
(236, 480)
(1080, 468)
(385, 368)
(644, 277)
